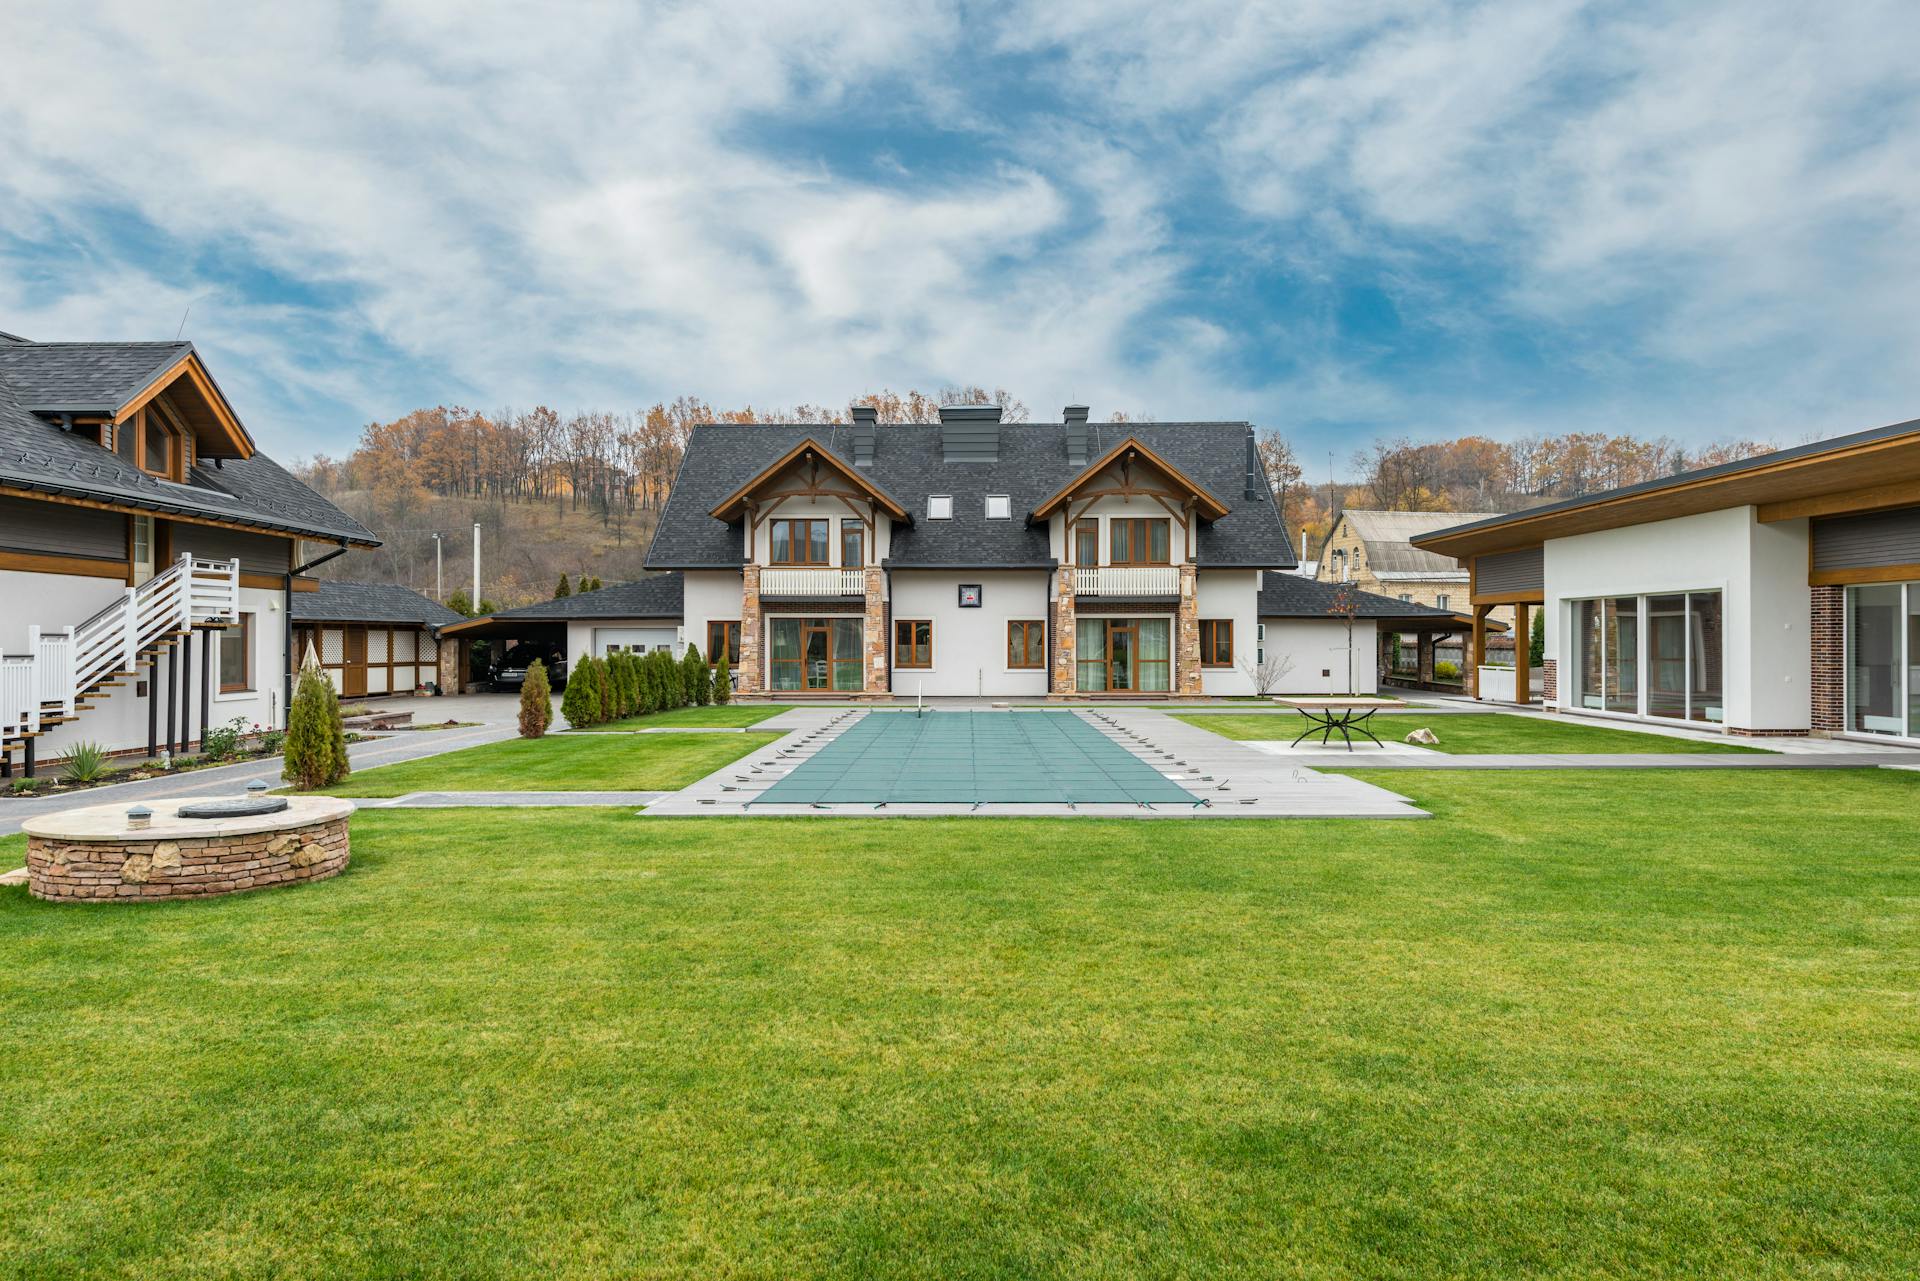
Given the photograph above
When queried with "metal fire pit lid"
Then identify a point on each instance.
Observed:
(238, 807)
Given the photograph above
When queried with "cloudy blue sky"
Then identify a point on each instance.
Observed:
(1340, 218)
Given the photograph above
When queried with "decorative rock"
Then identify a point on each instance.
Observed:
(307, 855)
(166, 856)
(136, 869)
(282, 843)
(1424, 737)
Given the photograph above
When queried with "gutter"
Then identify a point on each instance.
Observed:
(286, 626)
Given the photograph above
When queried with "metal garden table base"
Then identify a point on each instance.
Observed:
(1348, 721)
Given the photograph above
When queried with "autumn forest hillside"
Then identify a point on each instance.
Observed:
(581, 494)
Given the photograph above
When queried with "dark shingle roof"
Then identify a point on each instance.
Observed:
(84, 377)
(1290, 596)
(907, 463)
(369, 603)
(37, 455)
(655, 596)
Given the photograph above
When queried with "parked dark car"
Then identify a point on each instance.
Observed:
(509, 671)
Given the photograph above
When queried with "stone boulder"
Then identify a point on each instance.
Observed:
(1424, 737)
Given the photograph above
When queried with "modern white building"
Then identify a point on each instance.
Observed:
(1777, 595)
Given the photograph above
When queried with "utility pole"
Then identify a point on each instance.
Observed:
(439, 588)
(476, 567)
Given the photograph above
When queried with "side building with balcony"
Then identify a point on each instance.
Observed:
(149, 553)
(973, 557)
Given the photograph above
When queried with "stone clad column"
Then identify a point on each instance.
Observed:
(1061, 677)
(1186, 639)
(876, 633)
(748, 675)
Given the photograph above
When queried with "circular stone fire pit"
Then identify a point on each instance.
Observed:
(96, 853)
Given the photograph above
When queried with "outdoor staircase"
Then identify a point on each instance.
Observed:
(65, 673)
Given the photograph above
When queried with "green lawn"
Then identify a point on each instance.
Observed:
(729, 716)
(1474, 733)
(561, 763)
(1578, 1025)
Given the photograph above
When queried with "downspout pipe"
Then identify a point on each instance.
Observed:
(286, 627)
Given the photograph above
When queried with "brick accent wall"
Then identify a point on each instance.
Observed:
(1186, 635)
(1062, 678)
(876, 627)
(66, 871)
(1829, 676)
(747, 675)
(1549, 681)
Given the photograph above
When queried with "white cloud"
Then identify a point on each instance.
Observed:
(603, 204)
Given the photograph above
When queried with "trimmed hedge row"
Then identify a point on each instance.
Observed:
(622, 684)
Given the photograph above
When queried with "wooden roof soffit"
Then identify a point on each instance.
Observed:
(192, 395)
(1128, 454)
(817, 463)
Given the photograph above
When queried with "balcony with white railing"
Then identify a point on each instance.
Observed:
(812, 583)
(1127, 580)
(62, 667)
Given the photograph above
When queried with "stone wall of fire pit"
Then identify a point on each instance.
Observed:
(92, 855)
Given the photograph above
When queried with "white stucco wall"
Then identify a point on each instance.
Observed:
(708, 594)
(119, 720)
(1233, 594)
(970, 645)
(1761, 573)
(1318, 648)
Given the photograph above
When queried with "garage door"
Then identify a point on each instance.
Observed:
(638, 640)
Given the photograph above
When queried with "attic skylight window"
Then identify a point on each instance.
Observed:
(940, 507)
(999, 507)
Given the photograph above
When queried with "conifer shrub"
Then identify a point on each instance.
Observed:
(536, 702)
(722, 680)
(693, 674)
(316, 746)
(581, 703)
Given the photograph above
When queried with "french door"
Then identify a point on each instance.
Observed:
(1121, 655)
(815, 654)
(1883, 660)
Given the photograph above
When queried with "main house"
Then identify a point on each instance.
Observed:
(975, 557)
(1776, 595)
(149, 553)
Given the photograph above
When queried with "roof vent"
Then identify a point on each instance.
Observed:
(1075, 417)
(970, 433)
(1256, 478)
(866, 426)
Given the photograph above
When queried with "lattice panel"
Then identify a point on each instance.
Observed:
(333, 645)
(376, 645)
(403, 647)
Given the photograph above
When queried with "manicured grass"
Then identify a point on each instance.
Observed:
(1474, 733)
(729, 716)
(561, 763)
(1578, 1025)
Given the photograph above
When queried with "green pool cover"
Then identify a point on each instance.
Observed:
(946, 758)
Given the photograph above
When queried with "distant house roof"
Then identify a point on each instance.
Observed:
(1388, 535)
(38, 456)
(333, 602)
(655, 596)
(909, 464)
(1290, 596)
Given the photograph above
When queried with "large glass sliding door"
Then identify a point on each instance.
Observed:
(1879, 654)
(1677, 640)
(1123, 654)
(817, 654)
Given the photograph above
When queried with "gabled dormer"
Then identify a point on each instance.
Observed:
(153, 405)
(1132, 511)
(812, 510)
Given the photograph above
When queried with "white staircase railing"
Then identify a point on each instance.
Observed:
(60, 668)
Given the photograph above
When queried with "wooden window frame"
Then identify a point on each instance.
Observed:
(1033, 644)
(916, 657)
(1138, 538)
(730, 637)
(1086, 527)
(244, 630)
(802, 547)
(858, 529)
(1211, 631)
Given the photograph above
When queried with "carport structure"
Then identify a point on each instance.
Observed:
(637, 617)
